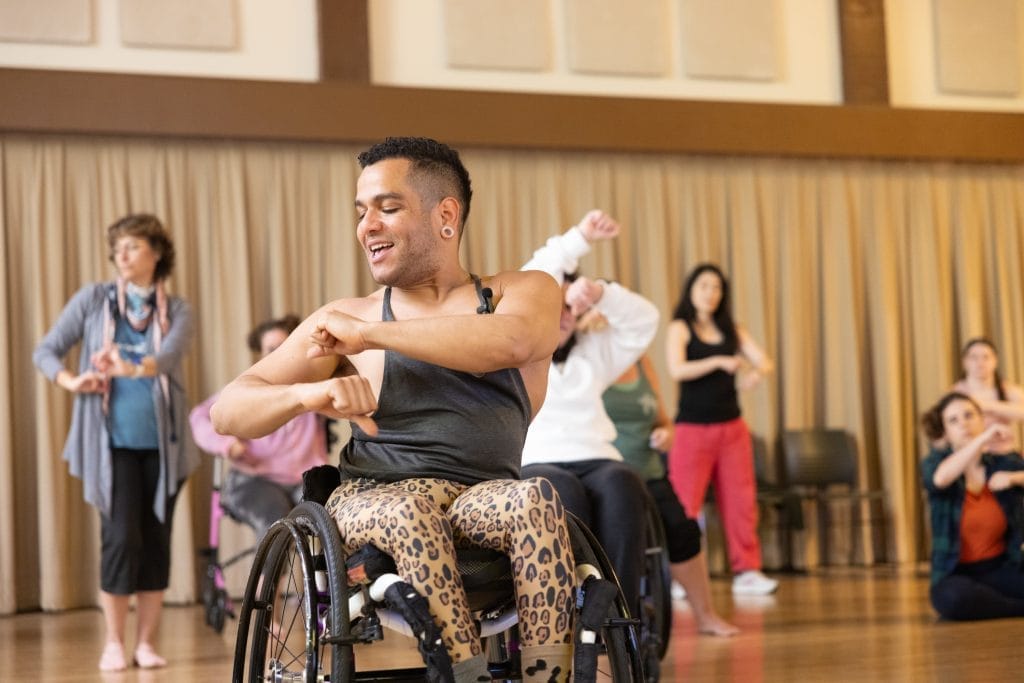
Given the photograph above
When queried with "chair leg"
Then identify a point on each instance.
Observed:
(823, 529)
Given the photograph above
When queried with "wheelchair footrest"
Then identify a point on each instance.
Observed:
(413, 607)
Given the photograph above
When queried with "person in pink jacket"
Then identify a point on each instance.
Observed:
(265, 479)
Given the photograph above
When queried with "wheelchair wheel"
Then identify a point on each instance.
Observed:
(619, 634)
(289, 628)
(655, 597)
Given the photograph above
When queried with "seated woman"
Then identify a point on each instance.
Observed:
(265, 479)
(569, 443)
(975, 500)
(643, 433)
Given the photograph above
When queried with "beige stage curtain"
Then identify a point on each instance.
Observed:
(860, 279)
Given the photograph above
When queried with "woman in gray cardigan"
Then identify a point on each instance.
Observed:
(128, 441)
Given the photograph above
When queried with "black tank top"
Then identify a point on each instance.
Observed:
(712, 397)
(441, 423)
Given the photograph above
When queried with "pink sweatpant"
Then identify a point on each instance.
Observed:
(720, 453)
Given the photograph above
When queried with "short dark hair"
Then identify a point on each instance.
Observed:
(429, 158)
(287, 323)
(150, 228)
(931, 421)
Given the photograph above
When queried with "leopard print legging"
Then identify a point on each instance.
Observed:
(420, 522)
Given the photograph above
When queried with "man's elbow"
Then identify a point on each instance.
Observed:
(220, 417)
(521, 351)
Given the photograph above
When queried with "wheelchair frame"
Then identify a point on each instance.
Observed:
(299, 575)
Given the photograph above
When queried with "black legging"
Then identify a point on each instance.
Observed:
(610, 499)
(990, 589)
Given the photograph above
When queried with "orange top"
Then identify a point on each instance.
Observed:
(982, 527)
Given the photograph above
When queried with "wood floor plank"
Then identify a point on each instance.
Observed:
(834, 625)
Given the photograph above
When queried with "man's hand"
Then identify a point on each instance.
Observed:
(337, 333)
(597, 225)
(344, 398)
(582, 294)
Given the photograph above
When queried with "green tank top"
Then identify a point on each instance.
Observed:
(633, 408)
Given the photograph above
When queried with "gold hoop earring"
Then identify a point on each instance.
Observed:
(447, 232)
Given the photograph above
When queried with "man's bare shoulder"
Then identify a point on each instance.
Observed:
(523, 278)
(363, 307)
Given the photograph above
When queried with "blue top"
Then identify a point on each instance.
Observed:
(87, 449)
(132, 414)
(947, 504)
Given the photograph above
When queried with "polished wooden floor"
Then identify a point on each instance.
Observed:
(836, 625)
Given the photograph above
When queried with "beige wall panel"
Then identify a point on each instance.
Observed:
(731, 39)
(498, 34)
(192, 24)
(53, 21)
(614, 37)
(977, 46)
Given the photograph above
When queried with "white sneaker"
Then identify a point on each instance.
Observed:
(753, 582)
(678, 592)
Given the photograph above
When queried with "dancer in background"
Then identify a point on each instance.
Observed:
(265, 479)
(643, 433)
(1001, 402)
(711, 357)
(976, 503)
(128, 438)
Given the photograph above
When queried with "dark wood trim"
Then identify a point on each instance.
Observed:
(864, 52)
(120, 104)
(344, 32)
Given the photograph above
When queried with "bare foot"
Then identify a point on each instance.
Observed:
(147, 658)
(714, 625)
(113, 657)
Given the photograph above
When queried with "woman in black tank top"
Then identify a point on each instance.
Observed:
(711, 357)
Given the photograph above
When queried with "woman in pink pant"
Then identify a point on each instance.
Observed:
(711, 357)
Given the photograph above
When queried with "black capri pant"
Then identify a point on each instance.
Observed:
(136, 546)
(682, 534)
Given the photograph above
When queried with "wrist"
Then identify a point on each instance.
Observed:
(138, 370)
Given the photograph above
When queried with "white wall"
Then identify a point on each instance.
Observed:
(913, 60)
(407, 48)
(277, 41)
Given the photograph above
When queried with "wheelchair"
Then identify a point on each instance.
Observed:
(302, 612)
(217, 603)
(655, 596)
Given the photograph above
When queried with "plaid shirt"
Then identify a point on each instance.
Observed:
(947, 504)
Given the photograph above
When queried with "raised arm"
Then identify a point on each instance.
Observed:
(632, 324)
(954, 465)
(1010, 409)
(677, 336)
(287, 383)
(522, 330)
(560, 255)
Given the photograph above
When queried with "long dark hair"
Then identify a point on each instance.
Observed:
(1000, 391)
(722, 315)
(561, 354)
(931, 421)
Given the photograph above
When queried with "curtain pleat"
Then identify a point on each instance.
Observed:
(861, 280)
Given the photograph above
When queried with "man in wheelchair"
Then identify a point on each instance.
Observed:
(440, 373)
